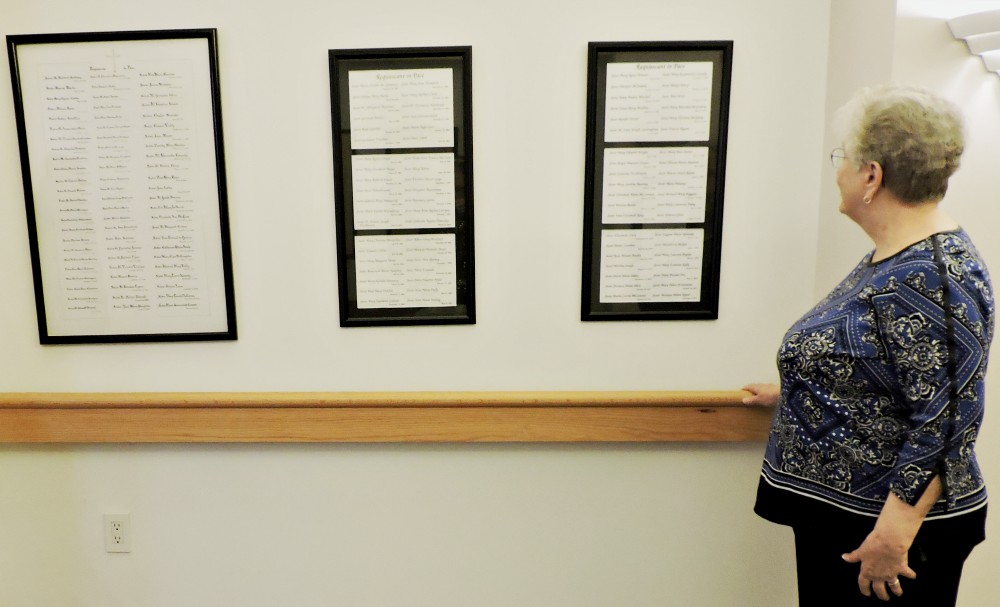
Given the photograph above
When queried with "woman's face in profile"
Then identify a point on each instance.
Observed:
(850, 182)
(848, 191)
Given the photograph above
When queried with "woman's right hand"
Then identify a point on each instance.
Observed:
(763, 395)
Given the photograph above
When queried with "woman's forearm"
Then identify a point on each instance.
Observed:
(899, 521)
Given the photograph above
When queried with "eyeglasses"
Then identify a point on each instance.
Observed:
(837, 157)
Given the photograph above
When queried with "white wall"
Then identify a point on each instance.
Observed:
(529, 80)
(429, 525)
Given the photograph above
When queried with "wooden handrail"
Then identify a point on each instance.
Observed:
(545, 416)
(142, 400)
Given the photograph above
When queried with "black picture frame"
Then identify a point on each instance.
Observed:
(369, 143)
(123, 165)
(695, 137)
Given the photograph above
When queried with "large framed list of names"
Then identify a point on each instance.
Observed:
(124, 182)
(657, 117)
(402, 142)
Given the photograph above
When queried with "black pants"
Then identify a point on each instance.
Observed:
(826, 580)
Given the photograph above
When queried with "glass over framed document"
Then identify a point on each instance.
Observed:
(402, 150)
(124, 182)
(657, 115)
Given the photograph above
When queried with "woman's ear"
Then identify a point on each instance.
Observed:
(873, 180)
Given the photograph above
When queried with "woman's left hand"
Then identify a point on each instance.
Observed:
(883, 560)
(883, 554)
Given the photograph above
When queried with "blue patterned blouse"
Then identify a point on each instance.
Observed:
(882, 385)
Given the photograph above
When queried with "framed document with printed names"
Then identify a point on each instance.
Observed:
(657, 115)
(402, 150)
(123, 168)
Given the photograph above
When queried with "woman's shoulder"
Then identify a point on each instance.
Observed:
(922, 271)
(953, 251)
(957, 247)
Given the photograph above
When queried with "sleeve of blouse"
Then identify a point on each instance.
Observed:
(913, 328)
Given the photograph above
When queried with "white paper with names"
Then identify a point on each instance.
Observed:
(658, 101)
(651, 265)
(654, 185)
(402, 108)
(122, 144)
(406, 271)
(400, 191)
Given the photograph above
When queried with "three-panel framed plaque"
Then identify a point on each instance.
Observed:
(122, 160)
(657, 117)
(402, 141)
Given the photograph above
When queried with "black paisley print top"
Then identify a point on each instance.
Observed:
(882, 384)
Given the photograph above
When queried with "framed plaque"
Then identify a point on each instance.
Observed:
(121, 148)
(657, 117)
(402, 150)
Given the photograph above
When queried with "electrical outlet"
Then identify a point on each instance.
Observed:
(117, 533)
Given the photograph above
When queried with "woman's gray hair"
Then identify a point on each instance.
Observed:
(915, 135)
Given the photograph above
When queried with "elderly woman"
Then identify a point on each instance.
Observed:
(871, 456)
